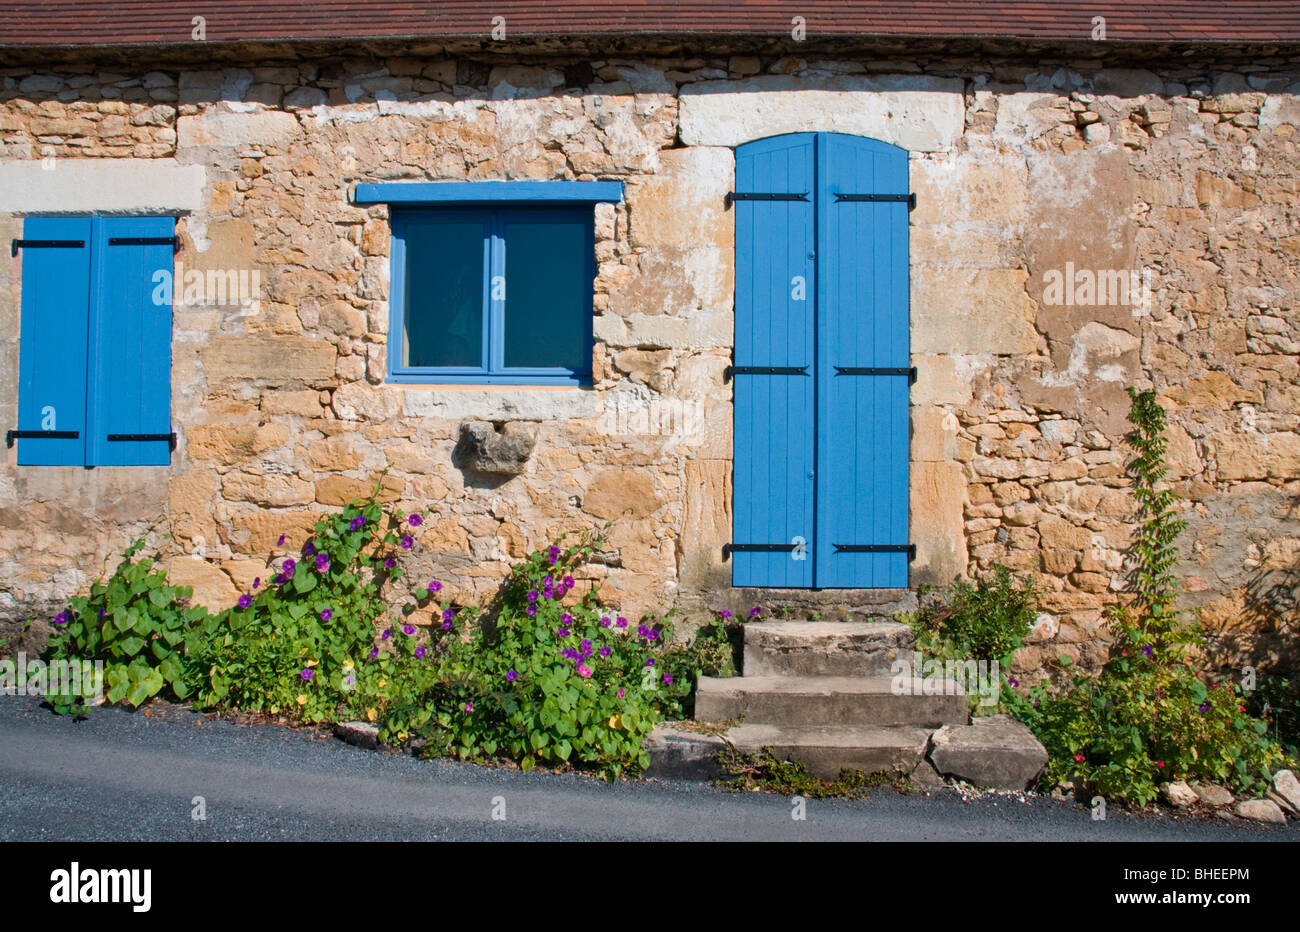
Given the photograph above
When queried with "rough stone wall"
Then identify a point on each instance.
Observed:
(1018, 412)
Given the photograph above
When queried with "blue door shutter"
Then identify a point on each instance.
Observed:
(130, 350)
(774, 411)
(53, 334)
(863, 382)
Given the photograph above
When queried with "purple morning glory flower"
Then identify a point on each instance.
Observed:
(562, 632)
(566, 618)
(532, 595)
(386, 634)
(668, 678)
(282, 578)
(408, 630)
(511, 676)
(435, 586)
(606, 651)
(448, 614)
(642, 630)
(257, 581)
(374, 652)
(1205, 707)
(725, 614)
(322, 562)
(326, 615)
(567, 582)
(553, 554)
(420, 652)
(1146, 649)
(61, 618)
(469, 707)
(103, 613)
(649, 661)
(604, 622)
(1013, 682)
(622, 622)
(414, 520)
(288, 566)
(447, 625)
(308, 549)
(586, 649)
(531, 611)
(652, 635)
(621, 692)
(358, 522)
(407, 542)
(389, 563)
(306, 674)
(245, 600)
(755, 612)
(280, 542)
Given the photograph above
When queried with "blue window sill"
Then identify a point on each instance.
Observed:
(491, 192)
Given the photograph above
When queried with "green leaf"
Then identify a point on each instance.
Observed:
(131, 645)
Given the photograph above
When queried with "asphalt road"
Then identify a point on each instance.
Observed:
(122, 776)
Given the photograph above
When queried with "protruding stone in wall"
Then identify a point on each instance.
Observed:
(483, 448)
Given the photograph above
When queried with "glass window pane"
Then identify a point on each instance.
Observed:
(443, 319)
(548, 294)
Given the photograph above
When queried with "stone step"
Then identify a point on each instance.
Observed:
(816, 700)
(824, 648)
(826, 749)
(830, 604)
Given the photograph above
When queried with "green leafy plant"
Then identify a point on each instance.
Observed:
(299, 643)
(135, 624)
(1151, 715)
(762, 771)
(556, 679)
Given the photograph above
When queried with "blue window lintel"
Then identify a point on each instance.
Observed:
(479, 192)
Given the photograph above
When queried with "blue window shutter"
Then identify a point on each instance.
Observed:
(862, 490)
(772, 487)
(52, 354)
(130, 351)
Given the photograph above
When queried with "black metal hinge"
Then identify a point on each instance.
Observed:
(733, 196)
(878, 370)
(144, 438)
(763, 370)
(12, 435)
(910, 199)
(909, 549)
(18, 244)
(173, 241)
(728, 549)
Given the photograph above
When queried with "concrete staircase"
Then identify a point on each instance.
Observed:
(822, 693)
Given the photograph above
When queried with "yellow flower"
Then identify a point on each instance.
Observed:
(616, 722)
(383, 683)
(302, 699)
(371, 715)
(311, 663)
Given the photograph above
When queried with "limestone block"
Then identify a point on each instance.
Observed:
(938, 500)
(938, 381)
(1257, 456)
(523, 404)
(304, 403)
(266, 490)
(222, 126)
(363, 401)
(622, 493)
(985, 189)
(934, 434)
(978, 311)
(918, 113)
(342, 490)
(212, 588)
(232, 443)
(268, 360)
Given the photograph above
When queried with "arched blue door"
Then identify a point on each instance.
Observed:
(821, 370)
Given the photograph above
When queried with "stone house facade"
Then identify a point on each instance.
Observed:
(1087, 216)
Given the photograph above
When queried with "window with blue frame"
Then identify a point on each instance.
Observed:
(94, 357)
(491, 282)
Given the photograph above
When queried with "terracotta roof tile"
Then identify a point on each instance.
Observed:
(72, 23)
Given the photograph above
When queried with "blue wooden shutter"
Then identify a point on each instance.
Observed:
(130, 352)
(52, 352)
(862, 489)
(772, 489)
